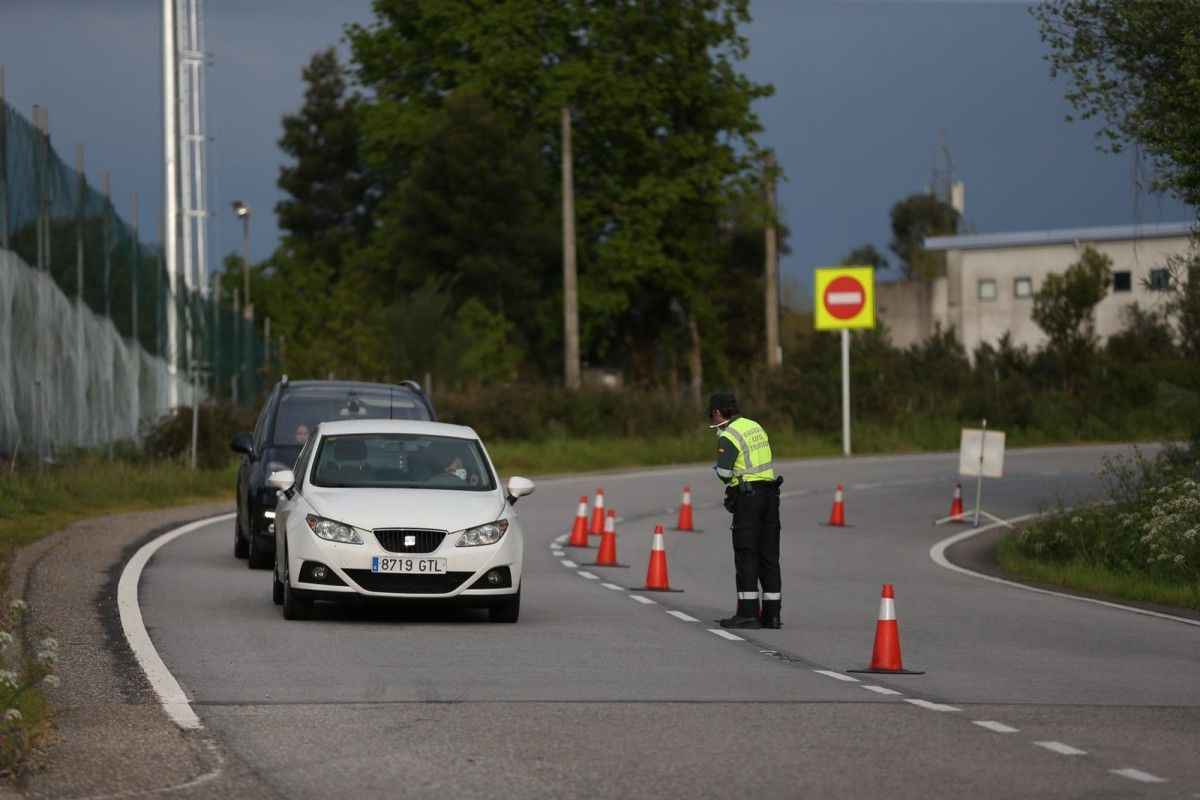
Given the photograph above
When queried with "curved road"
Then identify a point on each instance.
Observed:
(597, 693)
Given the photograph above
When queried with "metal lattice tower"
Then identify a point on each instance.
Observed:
(193, 200)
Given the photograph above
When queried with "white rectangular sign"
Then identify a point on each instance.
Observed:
(981, 454)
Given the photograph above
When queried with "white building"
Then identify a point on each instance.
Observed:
(990, 280)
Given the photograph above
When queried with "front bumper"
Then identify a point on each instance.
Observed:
(351, 563)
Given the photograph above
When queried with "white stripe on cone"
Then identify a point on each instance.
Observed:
(657, 544)
(887, 609)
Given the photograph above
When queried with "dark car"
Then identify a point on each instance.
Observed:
(290, 416)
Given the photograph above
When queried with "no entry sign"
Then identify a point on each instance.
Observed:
(845, 298)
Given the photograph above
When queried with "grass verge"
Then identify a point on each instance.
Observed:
(1087, 576)
(32, 507)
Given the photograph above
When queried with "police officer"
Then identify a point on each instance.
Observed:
(752, 496)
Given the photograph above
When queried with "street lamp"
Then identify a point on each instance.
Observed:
(243, 213)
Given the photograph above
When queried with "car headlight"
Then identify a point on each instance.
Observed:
(332, 531)
(483, 534)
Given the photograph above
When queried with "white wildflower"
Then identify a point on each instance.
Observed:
(6, 639)
(51, 681)
(12, 715)
(8, 679)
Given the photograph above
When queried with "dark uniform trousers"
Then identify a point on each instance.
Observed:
(756, 546)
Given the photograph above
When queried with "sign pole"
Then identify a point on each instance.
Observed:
(846, 391)
(979, 480)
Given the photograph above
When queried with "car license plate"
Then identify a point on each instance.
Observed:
(421, 566)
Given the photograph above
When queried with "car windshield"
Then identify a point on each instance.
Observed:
(303, 409)
(402, 460)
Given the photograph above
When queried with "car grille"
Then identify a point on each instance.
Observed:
(407, 584)
(392, 540)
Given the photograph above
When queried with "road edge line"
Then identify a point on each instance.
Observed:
(938, 554)
(170, 694)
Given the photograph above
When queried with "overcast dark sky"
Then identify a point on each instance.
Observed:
(863, 93)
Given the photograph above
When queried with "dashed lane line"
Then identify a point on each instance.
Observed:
(929, 704)
(583, 573)
(881, 689)
(839, 676)
(726, 635)
(683, 616)
(569, 564)
(643, 600)
(1137, 775)
(997, 727)
(613, 586)
(1062, 749)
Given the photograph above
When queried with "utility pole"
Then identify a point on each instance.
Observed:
(171, 194)
(570, 286)
(771, 266)
(135, 272)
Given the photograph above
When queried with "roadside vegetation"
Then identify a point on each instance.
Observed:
(1141, 544)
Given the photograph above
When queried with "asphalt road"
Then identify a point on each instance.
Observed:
(595, 693)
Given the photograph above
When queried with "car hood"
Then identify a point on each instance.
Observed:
(444, 509)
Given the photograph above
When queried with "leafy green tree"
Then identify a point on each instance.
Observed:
(663, 134)
(865, 255)
(330, 191)
(1064, 308)
(1134, 67)
(471, 216)
(914, 219)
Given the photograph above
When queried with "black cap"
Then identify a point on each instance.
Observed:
(720, 402)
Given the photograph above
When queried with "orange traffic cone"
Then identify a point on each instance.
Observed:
(579, 532)
(956, 506)
(607, 556)
(656, 573)
(598, 514)
(685, 511)
(885, 657)
(837, 516)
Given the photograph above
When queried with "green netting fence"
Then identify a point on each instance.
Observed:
(54, 225)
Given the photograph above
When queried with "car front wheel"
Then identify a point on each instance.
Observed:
(240, 548)
(294, 607)
(255, 558)
(507, 611)
(276, 585)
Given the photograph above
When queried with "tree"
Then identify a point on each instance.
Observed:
(914, 219)
(1134, 67)
(471, 215)
(663, 128)
(330, 190)
(1064, 308)
(865, 255)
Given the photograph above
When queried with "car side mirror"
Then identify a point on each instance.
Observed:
(283, 480)
(519, 487)
(243, 443)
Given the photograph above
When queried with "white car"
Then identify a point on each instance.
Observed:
(397, 509)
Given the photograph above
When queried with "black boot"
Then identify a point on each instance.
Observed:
(770, 615)
(746, 616)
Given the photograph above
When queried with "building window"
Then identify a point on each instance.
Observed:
(1122, 281)
(1160, 280)
(987, 289)
(1023, 287)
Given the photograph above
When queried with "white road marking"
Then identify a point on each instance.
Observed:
(930, 705)
(830, 673)
(682, 616)
(992, 725)
(644, 600)
(938, 554)
(1062, 749)
(613, 586)
(170, 694)
(562, 538)
(880, 689)
(583, 573)
(726, 635)
(1137, 775)
(566, 562)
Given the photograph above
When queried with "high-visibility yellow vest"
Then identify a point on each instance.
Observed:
(754, 461)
